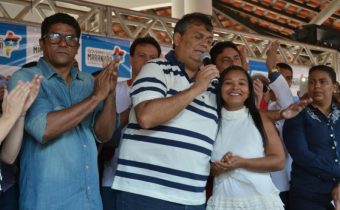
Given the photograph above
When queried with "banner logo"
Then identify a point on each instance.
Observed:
(96, 56)
(9, 43)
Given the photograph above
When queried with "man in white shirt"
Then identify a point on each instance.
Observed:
(142, 50)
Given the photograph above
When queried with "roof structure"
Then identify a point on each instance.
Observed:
(279, 18)
(252, 23)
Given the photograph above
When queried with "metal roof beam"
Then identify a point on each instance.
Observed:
(256, 44)
(308, 8)
(23, 12)
(234, 19)
(4, 12)
(331, 8)
(234, 16)
(232, 8)
(276, 11)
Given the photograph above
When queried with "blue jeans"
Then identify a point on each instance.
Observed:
(108, 198)
(308, 200)
(130, 201)
(9, 199)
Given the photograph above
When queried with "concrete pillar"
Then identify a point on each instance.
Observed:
(177, 8)
(182, 7)
(203, 6)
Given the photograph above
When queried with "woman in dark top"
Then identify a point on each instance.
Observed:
(313, 140)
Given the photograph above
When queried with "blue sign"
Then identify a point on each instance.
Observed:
(97, 50)
(12, 44)
(257, 66)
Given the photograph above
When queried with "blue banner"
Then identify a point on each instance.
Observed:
(96, 50)
(255, 65)
(12, 44)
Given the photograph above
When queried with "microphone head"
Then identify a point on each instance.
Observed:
(206, 58)
(215, 81)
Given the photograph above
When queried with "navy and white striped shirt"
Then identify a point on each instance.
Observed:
(171, 161)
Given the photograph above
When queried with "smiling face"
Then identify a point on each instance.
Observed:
(235, 90)
(61, 54)
(320, 87)
(228, 57)
(190, 45)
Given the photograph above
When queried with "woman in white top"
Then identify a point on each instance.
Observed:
(243, 154)
(12, 116)
(14, 107)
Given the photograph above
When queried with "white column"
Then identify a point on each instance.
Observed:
(182, 7)
(203, 6)
(177, 8)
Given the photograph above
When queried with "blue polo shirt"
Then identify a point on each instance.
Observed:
(313, 141)
(62, 173)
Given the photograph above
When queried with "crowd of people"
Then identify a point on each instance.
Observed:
(161, 135)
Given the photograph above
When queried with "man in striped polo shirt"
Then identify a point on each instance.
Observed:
(165, 151)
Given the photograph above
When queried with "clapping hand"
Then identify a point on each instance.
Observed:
(105, 82)
(14, 101)
(18, 101)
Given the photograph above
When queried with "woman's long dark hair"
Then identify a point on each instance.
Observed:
(249, 102)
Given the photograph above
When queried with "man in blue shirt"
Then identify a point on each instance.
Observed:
(59, 156)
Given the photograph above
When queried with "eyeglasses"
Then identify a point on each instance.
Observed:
(55, 38)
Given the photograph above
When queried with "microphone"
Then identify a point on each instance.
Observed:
(206, 60)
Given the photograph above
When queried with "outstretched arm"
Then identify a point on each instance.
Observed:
(271, 56)
(288, 113)
(243, 55)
